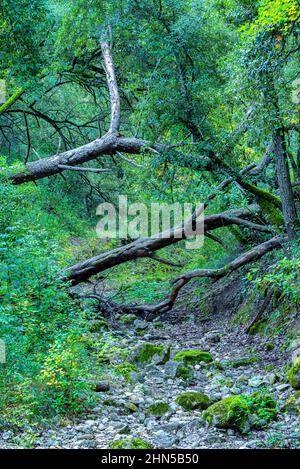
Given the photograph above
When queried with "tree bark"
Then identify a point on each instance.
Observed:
(112, 87)
(285, 185)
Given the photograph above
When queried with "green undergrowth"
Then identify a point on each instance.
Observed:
(48, 343)
(280, 275)
(131, 443)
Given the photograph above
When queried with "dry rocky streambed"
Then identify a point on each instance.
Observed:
(227, 390)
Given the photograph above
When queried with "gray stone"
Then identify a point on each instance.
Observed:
(163, 439)
(255, 382)
(282, 387)
(88, 436)
(295, 344)
(136, 399)
(136, 377)
(213, 337)
(139, 324)
(171, 368)
(271, 378)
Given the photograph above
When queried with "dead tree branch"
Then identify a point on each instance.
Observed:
(215, 274)
(83, 169)
(145, 247)
(112, 87)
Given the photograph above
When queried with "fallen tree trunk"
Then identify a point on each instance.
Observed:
(250, 256)
(109, 144)
(145, 247)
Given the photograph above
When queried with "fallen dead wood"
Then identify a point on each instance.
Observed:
(145, 247)
(83, 169)
(215, 274)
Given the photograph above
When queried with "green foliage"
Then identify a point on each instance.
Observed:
(131, 443)
(62, 376)
(283, 277)
(125, 369)
(274, 14)
(22, 53)
(43, 328)
(262, 408)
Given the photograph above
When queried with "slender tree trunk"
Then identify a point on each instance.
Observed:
(285, 185)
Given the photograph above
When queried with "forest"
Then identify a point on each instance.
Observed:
(149, 224)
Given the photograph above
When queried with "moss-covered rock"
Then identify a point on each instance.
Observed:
(103, 358)
(270, 346)
(244, 361)
(146, 353)
(231, 412)
(242, 412)
(193, 400)
(130, 407)
(110, 403)
(158, 409)
(292, 404)
(294, 374)
(193, 357)
(184, 372)
(131, 443)
(127, 318)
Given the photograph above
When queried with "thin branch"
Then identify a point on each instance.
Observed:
(28, 138)
(128, 160)
(248, 224)
(216, 239)
(165, 261)
(83, 169)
